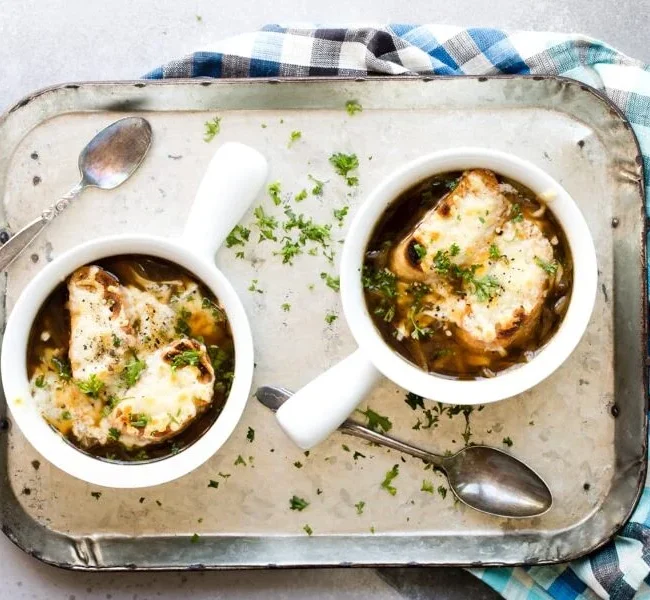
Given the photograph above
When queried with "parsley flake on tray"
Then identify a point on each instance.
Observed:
(388, 479)
(353, 107)
(343, 164)
(212, 129)
(299, 504)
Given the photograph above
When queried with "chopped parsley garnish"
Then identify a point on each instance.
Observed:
(301, 195)
(39, 382)
(427, 486)
(274, 190)
(353, 107)
(386, 483)
(266, 224)
(253, 287)
(114, 434)
(357, 455)
(91, 386)
(240, 461)
(238, 236)
(286, 307)
(418, 332)
(331, 282)
(213, 484)
(413, 400)
(299, 504)
(186, 358)
(195, 538)
(297, 464)
(482, 220)
(182, 325)
(239, 254)
(516, 216)
(308, 530)
(485, 288)
(442, 490)
(507, 441)
(117, 342)
(383, 282)
(452, 184)
(139, 420)
(340, 214)
(65, 415)
(250, 435)
(317, 190)
(215, 309)
(330, 318)
(289, 251)
(454, 249)
(133, 370)
(419, 250)
(294, 137)
(212, 129)
(96, 495)
(359, 506)
(549, 267)
(343, 164)
(63, 369)
(441, 262)
(495, 253)
(345, 447)
(376, 422)
(308, 230)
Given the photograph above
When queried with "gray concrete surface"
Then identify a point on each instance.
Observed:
(43, 43)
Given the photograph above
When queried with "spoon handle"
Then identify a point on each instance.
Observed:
(23, 238)
(356, 430)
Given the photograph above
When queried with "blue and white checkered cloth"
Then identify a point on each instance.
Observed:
(621, 569)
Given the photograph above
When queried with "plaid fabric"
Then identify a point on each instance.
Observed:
(621, 569)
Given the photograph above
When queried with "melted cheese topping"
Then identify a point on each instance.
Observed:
(134, 377)
(473, 217)
(100, 329)
(169, 398)
(467, 218)
(523, 287)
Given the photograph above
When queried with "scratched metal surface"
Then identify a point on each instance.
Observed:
(583, 429)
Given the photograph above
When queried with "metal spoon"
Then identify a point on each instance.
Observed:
(108, 160)
(484, 478)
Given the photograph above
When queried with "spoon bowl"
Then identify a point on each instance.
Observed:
(494, 482)
(484, 478)
(115, 153)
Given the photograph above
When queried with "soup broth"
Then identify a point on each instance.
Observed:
(131, 358)
(467, 274)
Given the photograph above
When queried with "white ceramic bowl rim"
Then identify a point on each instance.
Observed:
(511, 382)
(52, 445)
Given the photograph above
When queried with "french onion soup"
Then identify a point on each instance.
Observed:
(467, 274)
(131, 358)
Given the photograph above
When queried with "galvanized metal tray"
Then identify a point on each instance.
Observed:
(584, 429)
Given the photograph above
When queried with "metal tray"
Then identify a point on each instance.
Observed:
(584, 429)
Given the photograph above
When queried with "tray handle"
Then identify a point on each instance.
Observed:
(231, 183)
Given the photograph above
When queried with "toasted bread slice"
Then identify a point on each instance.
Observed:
(462, 224)
(100, 332)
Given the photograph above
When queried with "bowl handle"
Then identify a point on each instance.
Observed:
(232, 181)
(317, 409)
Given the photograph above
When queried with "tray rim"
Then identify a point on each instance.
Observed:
(54, 537)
